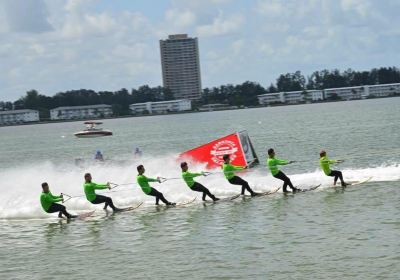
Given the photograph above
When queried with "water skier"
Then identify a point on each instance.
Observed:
(49, 205)
(138, 153)
(273, 163)
(143, 182)
(229, 172)
(90, 192)
(188, 177)
(325, 163)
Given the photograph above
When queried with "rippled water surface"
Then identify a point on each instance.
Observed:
(330, 233)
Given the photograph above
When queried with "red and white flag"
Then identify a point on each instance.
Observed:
(237, 145)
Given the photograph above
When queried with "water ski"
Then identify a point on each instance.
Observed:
(81, 216)
(265, 193)
(181, 203)
(309, 189)
(229, 198)
(85, 215)
(355, 183)
(360, 182)
(186, 202)
(129, 208)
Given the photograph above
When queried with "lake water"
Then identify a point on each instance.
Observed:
(330, 233)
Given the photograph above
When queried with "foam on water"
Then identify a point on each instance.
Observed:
(21, 187)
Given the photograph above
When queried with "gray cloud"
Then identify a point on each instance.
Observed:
(26, 16)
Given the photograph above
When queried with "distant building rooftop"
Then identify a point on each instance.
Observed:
(177, 36)
(83, 107)
(380, 85)
(162, 102)
(17, 111)
(346, 88)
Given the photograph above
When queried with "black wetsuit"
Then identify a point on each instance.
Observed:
(280, 175)
(337, 174)
(55, 207)
(158, 196)
(239, 181)
(200, 188)
(104, 199)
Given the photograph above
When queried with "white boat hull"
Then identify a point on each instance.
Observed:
(91, 131)
(91, 134)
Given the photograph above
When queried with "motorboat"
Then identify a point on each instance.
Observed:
(92, 131)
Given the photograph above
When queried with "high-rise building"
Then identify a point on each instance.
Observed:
(181, 66)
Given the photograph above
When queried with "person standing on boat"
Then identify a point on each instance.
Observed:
(49, 205)
(273, 163)
(229, 172)
(188, 177)
(325, 163)
(90, 192)
(143, 182)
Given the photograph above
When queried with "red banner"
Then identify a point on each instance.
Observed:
(212, 153)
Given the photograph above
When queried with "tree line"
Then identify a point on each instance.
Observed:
(120, 100)
(244, 94)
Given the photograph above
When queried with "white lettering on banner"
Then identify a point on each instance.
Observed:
(222, 148)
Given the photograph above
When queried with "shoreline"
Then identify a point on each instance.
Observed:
(187, 112)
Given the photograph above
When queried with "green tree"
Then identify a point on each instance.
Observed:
(291, 82)
(168, 94)
(272, 88)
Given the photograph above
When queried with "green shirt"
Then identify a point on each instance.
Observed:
(229, 170)
(143, 182)
(273, 164)
(90, 190)
(325, 162)
(47, 199)
(188, 177)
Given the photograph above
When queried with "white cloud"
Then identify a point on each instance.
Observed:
(362, 7)
(274, 8)
(222, 26)
(180, 19)
(199, 5)
(312, 31)
(89, 46)
(238, 46)
(278, 27)
(267, 49)
(38, 48)
(217, 61)
(79, 23)
(69, 55)
(78, 6)
(137, 21)
(133, 52)
(286, 10)
(220, 1)
(297, 42)
(101, 23)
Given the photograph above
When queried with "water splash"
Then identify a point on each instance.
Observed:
(22, 186)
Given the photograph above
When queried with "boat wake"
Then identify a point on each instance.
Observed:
(21, 187)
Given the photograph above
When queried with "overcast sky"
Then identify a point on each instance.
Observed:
(58, 45)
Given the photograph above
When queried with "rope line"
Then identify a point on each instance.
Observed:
(121, 187)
